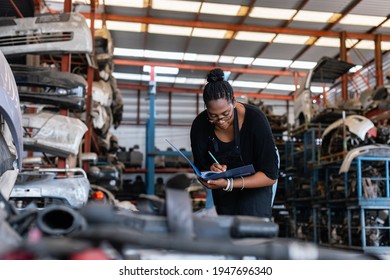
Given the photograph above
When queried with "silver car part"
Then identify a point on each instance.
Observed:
(356, 124)
(102, 93)
(11, 145)
(10, 109)
(368, 150)
(46, 33)
(56, 134)
(46, 186)
(104, 47)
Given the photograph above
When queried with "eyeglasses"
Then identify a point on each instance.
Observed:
(227, 115)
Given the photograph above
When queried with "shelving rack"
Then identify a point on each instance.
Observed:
(347, 210)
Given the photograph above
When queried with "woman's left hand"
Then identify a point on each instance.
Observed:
(214, 184)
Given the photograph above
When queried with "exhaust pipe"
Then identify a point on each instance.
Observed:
(59, 220)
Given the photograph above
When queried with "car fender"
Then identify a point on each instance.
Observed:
(356, 124)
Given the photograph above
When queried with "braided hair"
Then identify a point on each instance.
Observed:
(217, 87)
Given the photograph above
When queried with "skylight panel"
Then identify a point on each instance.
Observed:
(313, 16)
(334, 42)
(209, 33)
(120, 3)
(303, 64)
(386, 24)
(220, 9)
(272, 13)
(247, 84)
(178, 6)
(254, 36)
(272, 62)
(227, 59)
(361, 20)
(291, 39)
(169, 30)
(163, 55)
(207, 57)
(281, 87)
(243, 60)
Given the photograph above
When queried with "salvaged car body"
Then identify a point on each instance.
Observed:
(52, 133)
(327, 70)
(43, 85)
(11, 145)
(45, 33)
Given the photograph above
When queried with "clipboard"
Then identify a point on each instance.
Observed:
(212, 175)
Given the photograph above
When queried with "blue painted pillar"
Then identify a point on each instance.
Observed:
(150, 135)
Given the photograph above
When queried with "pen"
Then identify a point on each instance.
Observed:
(216, 161)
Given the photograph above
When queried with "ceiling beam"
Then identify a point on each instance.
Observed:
(207, 68)
(200, 91)
(236, 27)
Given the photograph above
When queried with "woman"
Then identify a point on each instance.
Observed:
(235, 134)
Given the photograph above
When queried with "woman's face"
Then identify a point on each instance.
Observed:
(220, 112)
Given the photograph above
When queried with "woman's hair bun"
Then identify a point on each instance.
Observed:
(215, 75)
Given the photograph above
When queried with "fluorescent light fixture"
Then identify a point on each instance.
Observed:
(243, 60)
(246, 84)
(128, 76)
(280, 87)
(219, 9)
(169, 30)
(162, 70)
(178, 6)
(165, 79)
(272, 62)
(361, 20)
(291, 39)
(303, 64)
(313, 16)
(272, 13)
(254, 36)
(163, 55)
(209, 33)
(129, 52)
(180, 80)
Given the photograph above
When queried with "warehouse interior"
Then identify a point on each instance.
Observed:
(100, 86)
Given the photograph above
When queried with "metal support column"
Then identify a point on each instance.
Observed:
(150, 135)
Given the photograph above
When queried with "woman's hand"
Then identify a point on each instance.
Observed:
(216, 167)
(214, 184)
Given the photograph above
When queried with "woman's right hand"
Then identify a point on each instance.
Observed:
(216, 167)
